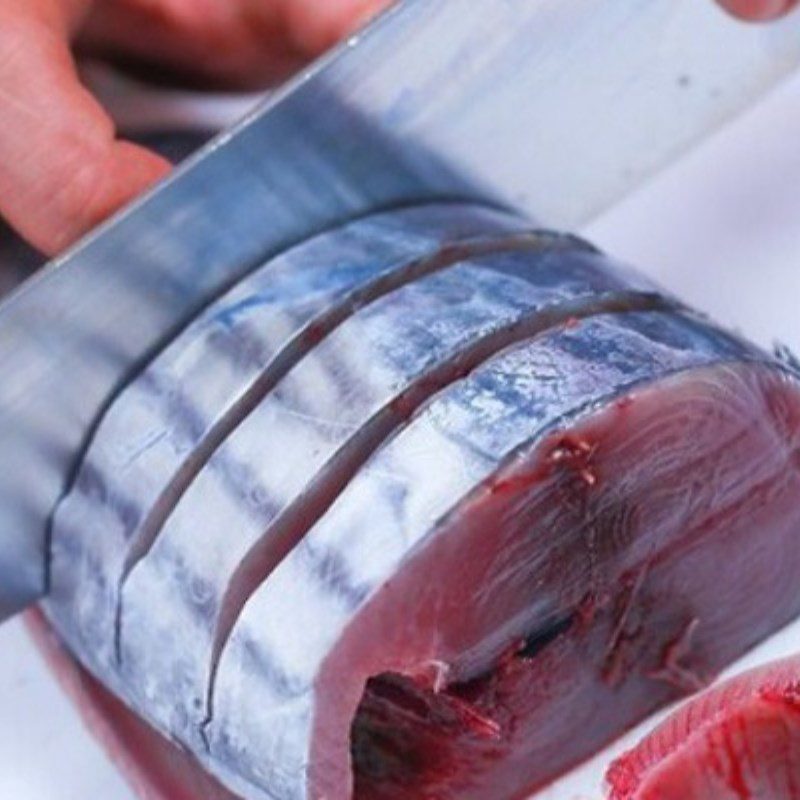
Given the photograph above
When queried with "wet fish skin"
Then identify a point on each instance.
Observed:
(157, 422)
(325, 401)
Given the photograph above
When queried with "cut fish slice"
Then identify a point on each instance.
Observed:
(428, 507)
(527, 569)
(286, 462)
(740, 741)
(157, 432)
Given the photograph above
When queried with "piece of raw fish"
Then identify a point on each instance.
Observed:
(587, 526)
(429, 507)
(286, 462)
(162, 427)
(739, 741)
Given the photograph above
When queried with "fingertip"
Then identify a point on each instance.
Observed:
(130, 171)
(98, 188)
(758, 10)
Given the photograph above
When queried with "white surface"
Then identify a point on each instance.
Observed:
(45, 753)
(721, 229)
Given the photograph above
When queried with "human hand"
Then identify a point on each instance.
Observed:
(62, 167)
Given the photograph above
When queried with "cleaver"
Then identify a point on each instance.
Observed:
(554, 108)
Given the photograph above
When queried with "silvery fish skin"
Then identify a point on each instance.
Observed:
(264, 469)
(411, 495)
(149, 432)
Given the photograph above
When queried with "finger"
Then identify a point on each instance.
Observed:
(230, 42)
(758, 9)
(216, 43)
(62, 170)
(315, 26)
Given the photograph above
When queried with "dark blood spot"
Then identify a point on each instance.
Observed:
(314, 334)
(624, 402)
(409, 736)
(538, 641)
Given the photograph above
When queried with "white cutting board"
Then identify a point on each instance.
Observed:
(721, 229)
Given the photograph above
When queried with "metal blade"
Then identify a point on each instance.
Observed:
(556, 107)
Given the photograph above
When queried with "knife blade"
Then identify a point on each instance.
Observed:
(557, 108)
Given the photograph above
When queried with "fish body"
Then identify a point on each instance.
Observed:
(431, 505)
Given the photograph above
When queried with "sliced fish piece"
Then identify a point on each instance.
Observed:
(525, 570)
(286, 462)
(739, 741)
(427, 507)
(160, 429)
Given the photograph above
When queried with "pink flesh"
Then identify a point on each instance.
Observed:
(740, 741)
(457, 711)
(155, 768)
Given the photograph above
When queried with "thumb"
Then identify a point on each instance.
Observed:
(62, 169)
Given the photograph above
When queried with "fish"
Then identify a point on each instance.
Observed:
(523, 572)
(152, 440)
(737, 741)
(295, 451)
(465, 534)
